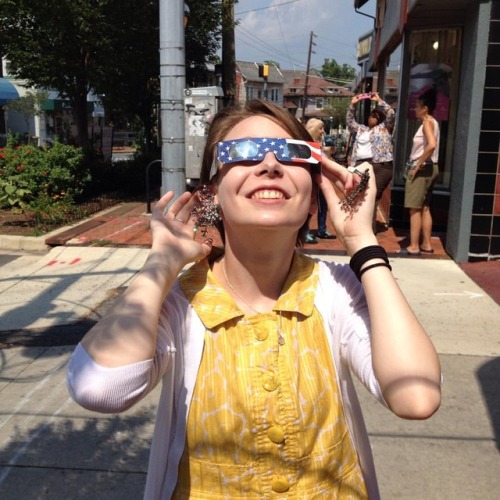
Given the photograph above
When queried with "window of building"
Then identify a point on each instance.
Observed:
(275, 95)
(434, 57)
(319, 103)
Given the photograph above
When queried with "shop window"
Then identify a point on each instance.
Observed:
(434, 57)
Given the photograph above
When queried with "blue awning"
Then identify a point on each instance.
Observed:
(7, 92)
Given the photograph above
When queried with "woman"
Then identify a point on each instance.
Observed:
(316, 129)
(254, 344)
(373, 142)
(422, 175)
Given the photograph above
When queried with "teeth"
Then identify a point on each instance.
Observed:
(268, 195)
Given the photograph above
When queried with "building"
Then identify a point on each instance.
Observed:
(310, 96)
(249, 85)
(454, 46)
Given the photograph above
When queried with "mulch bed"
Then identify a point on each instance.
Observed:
(16, 223)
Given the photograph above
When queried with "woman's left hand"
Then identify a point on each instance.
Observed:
(353, 227)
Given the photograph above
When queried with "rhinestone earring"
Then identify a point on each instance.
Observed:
(206, 212)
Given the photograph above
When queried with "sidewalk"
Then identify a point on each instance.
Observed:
(51, 447)
(127, 225)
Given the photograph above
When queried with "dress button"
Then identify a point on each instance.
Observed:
(280, 484)
(276, 434)
(261, 334)
(271, 383)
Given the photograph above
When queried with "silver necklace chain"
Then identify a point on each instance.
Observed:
(234, 289)
(281, 339)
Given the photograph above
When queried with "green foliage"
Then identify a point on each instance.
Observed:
(14, 193)
(110, 46)
(337, 109)
(331, 70)
(48, 212)
(55, 173)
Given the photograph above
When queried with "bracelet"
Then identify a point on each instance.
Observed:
(377, 264)
(364, 255)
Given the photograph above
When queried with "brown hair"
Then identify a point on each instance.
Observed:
(227, 118)
(379, 115)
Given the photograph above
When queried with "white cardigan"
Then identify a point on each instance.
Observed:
(340, 300)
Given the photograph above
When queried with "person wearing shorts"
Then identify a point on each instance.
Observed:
(422, 176)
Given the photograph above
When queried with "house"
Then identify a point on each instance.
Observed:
(319, 95)
(249, 85)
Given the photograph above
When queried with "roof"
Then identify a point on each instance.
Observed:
(316, 86)
(250, 71)
(7, 92)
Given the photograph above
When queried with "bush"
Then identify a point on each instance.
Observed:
(56, 173)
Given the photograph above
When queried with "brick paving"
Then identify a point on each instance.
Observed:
(128, 225)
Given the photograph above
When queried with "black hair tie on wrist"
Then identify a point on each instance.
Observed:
(377, 264)
(364, 255)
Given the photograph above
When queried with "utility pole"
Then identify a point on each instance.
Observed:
(172, 84)
(228, 53)
(311, 44)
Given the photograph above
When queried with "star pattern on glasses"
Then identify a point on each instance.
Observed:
(254, 149)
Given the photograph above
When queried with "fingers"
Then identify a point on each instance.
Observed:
(338, 174)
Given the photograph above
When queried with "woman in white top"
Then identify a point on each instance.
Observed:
(422, 176)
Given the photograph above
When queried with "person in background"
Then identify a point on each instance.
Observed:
(373, 143)
(254, 343)
(316, 128)
(422, 176)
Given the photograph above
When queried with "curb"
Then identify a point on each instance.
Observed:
(30, 244)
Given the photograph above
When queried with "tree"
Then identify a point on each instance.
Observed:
(108, 46)
(337, 109)
(203, 39)
(331, 70)
(52, 45)
(29, 105)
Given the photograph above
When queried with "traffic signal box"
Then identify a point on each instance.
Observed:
(263, 70)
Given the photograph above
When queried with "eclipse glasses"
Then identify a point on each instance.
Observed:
(255, 149)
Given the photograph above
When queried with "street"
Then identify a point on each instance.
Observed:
(52, 448)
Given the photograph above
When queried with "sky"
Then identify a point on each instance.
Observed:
(279, 30)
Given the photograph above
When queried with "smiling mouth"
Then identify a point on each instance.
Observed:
(268, 194)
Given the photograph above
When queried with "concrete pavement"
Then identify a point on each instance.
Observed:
(51, 448)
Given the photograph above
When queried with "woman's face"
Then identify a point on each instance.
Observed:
(266, 193)
(372, 121)
(420, 109)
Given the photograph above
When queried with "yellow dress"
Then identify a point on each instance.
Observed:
(266, 419)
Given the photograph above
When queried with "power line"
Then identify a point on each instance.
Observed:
(269, 7)
(265, 47)
(283, 36)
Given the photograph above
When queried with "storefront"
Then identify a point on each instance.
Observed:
(452, 45)
(7, 93)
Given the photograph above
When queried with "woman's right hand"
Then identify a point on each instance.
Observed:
(174, 229)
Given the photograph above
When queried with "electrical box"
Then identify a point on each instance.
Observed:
(200, 105)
